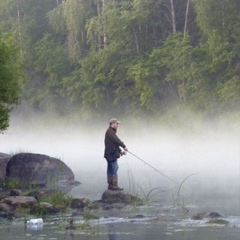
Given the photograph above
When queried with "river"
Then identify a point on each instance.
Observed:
(204, 164)
(130, 223)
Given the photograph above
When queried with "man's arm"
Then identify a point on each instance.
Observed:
(117, 140)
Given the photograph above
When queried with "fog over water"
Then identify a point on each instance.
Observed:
(211, 154)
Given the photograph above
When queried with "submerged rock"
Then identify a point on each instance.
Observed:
(218, 222)
(110, 196)
(39, 170)
(200, 216)
(138, 216)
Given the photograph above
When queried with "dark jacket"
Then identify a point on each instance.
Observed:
(112, 144)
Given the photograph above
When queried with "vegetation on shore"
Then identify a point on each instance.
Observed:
(137, 57)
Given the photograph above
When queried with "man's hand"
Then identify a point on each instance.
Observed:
(123, 153)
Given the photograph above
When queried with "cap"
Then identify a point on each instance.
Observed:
(114, 120)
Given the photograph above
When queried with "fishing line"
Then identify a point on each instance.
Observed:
(152, 167)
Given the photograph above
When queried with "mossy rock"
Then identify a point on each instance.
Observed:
(218, 221)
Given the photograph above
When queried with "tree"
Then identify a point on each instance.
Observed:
(76, 14)
(10, 78)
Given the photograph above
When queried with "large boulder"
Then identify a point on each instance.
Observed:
(4, 158)
(110, 197)
(39, 170)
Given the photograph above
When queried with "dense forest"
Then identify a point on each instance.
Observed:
(142, 57)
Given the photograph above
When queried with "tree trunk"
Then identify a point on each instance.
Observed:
(223, 18)
(136, 41)
(19, 21)
(104, 26)
(99, 11)
(186, 19)
(173, 16)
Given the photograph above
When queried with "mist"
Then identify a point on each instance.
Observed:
(208, 155)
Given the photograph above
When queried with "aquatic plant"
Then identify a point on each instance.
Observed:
(179, 189)
(11, 184)
(131, 182)
(40, 210)
(58, 198)
(23, 211)
(88, 212)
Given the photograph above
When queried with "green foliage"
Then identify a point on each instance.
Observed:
(10, 78)
(40, 210)
(56, 20)
(229, 93)
(76, 15)
(51, 61)
(58, 199)
(122, 57)
(146, 89)
(88, 213)
(10, 185)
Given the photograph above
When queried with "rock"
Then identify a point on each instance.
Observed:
(38, 170)
(111, 206)
(5, 207)
(200, 216)
(15, 192)
(138, 216)
(35, 193)
(4, 155)
(95, 205)
(44, 208)
(80, 203)
(19, 201)
(41, 194)
(4, 158)
(218, 222)
(110, 196)
(3, 194)
(6, 211)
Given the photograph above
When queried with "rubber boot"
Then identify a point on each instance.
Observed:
(109, 179)
(115, 186)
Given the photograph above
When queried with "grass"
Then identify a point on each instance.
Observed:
(10, 185)
(179, 204)
(149, 195)
(58, 198)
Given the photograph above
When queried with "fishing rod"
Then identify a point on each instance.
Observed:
(152, 167)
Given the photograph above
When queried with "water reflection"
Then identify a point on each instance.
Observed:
(72, 235)
(112, 232)
(35, 227)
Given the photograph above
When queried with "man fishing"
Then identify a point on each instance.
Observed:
(112, 153)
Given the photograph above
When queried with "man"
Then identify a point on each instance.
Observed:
(112, 153)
